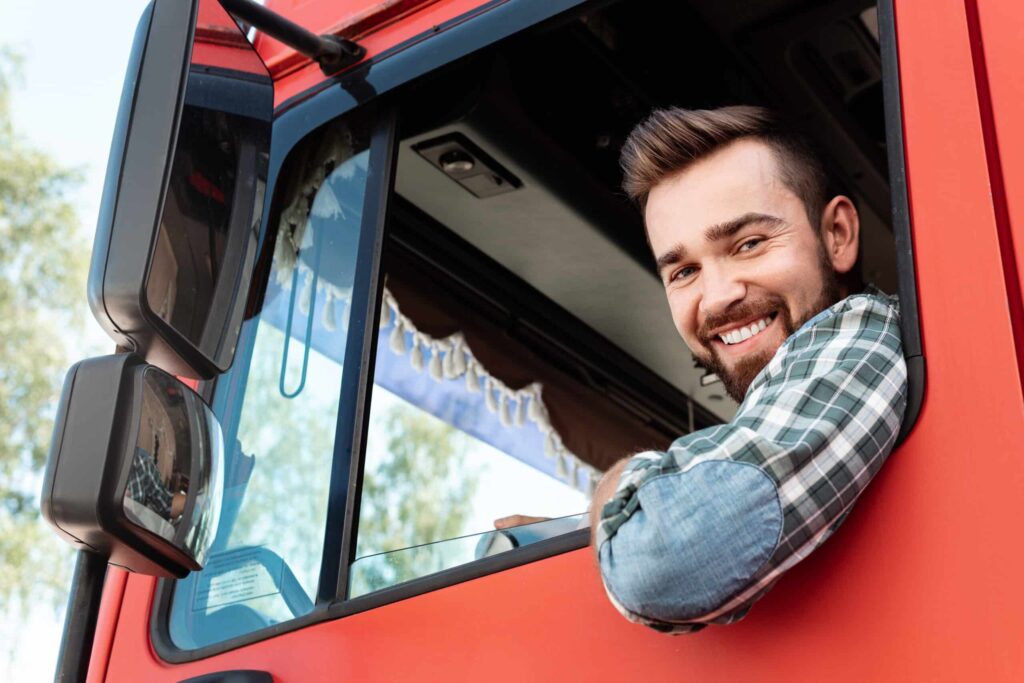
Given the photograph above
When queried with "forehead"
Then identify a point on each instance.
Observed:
(740, 178)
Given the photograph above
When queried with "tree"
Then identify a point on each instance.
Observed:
(285, 500)
(43, 266)
(419, 492)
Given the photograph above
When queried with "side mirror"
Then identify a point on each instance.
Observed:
(180, 216)
(134, 470)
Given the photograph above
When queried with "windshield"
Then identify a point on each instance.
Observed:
(279, 404)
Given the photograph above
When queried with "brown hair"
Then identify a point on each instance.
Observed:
(671, 139)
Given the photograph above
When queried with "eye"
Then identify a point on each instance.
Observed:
(682, 274)
(751, 243)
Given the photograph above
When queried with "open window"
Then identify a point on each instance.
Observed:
(522, 342)
(514, 179)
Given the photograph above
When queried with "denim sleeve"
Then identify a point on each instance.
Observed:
(696, 534)
(704, 532)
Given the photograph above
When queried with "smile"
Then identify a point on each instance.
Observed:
(745, 332)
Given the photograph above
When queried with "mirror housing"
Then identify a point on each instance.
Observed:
(134, 471)
(183, 198)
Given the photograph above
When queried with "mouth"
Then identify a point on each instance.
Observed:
(739, 334)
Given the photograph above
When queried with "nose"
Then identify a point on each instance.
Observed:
(720, 289)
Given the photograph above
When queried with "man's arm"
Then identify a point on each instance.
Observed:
(696, 534)
(603, 492)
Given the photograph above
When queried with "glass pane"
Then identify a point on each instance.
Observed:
(279, 406)
(425, 481)
(374, 572)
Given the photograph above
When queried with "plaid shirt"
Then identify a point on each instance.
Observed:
(819, 420)
(146, 485)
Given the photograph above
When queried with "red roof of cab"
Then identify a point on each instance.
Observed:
(219, 41)
(377, 25)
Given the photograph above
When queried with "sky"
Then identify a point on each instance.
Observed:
(75, 54)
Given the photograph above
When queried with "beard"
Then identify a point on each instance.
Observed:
(737, 379)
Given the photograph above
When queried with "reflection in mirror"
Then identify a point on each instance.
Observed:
(214, 199)
(159, 477)
(174, 487)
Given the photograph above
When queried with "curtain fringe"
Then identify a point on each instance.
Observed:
(452, 358)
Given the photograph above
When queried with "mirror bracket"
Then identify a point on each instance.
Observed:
(332, 53)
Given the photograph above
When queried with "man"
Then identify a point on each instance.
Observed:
(757, 259)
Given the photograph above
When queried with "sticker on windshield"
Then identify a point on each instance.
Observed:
(238, 576)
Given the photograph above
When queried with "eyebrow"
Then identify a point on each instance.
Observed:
(715, 233)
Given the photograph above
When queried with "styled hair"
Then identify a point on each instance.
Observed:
(669, 140)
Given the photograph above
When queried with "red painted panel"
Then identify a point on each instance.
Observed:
(296, 76)
(351, 20)
(1001, 28)
(922, 582)
(220, 43)
(106, 624)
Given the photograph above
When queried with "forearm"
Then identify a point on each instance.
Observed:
(696, 534)
(602, 494)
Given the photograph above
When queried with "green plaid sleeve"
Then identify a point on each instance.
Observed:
(818, 421)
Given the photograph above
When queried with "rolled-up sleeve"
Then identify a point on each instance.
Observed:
(696, 534)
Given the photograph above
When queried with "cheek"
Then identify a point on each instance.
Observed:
(794, 276)
(806, 289)
(683, 309)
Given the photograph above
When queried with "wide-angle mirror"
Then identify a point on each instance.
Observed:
(134, 471)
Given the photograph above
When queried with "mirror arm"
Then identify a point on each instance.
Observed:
(82, 612)
(332, 53)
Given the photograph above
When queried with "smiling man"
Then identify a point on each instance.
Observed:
(758, 261)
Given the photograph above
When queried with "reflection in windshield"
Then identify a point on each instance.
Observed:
(374, 572)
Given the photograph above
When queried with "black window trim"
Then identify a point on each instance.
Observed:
(303, 113)
(356, 388)
(910, 325)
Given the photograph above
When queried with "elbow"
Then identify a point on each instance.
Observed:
(694, 543)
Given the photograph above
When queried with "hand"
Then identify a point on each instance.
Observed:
(178, 504)
(517, 520)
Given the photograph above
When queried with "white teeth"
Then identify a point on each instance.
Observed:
(744, 333)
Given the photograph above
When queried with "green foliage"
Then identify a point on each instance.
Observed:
(43, 266)
(292, 441)
(420, 490)
(418, 493)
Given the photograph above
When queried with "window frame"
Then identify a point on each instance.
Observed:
(340, 96)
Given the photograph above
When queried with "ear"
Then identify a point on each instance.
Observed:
(840, 231)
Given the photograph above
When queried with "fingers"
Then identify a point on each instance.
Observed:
(516, 520)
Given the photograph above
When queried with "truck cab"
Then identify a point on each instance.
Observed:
(454, 317)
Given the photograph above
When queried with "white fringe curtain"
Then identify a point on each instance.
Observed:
(450, 357)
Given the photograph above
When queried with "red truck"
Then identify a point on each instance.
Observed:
(417, 300)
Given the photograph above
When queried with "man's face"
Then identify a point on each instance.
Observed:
(741, 264)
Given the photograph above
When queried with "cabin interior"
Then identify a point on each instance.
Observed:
(542, 117)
